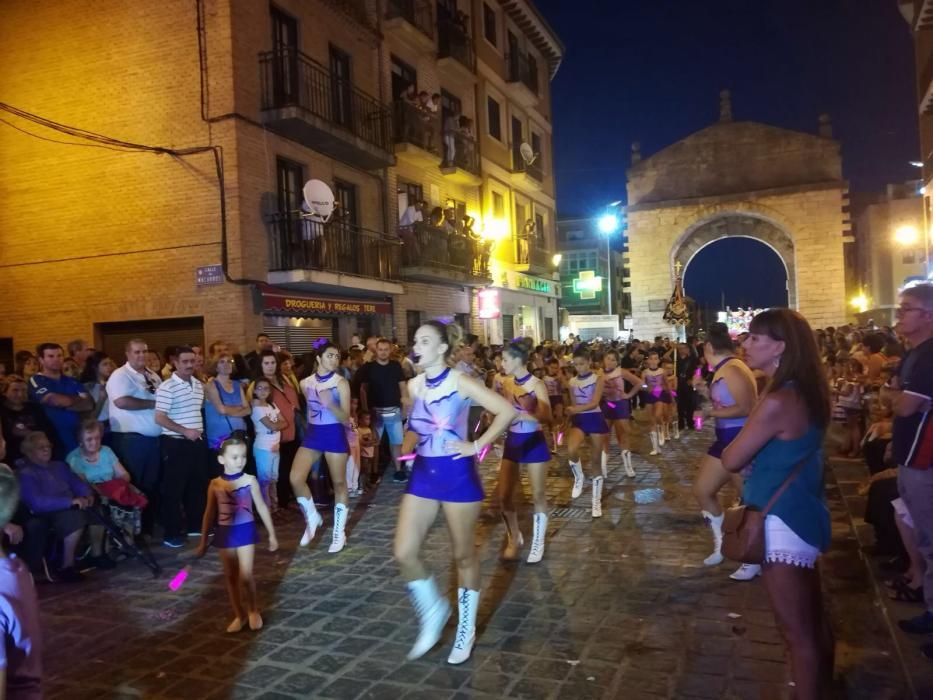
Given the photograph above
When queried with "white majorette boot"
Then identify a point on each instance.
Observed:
(654, 443)
(604, 463)
(676, 427)
(715, 524)
(466, 629)
(339, 540)
(313, 519)
(627, 463)
(598, 497)
(746, 572)
(537, 539)
(577, 470)
(432, 610)
(661, 436)
(513, 541)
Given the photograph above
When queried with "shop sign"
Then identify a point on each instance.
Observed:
(488, 303)
(535, 284)
(209, 275)
(300, 305)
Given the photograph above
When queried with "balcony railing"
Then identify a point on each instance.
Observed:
(528, 252)
(520, 166)
(416, 12)
(292, 79)
(465, 155)
(453, 41)
(523, 69)
(428, 246)
(337, 246)
(416, 125)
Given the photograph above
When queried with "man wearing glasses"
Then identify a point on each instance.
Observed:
(910, 393)
(131, 397)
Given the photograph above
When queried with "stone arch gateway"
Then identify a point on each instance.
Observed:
(783, 188)
(738, 226)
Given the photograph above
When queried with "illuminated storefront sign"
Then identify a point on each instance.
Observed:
(587, 284)
(488, 302)
(276, 302)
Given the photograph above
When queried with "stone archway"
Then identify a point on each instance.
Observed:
(737, 225)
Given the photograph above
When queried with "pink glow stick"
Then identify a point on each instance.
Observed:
(409, 456)
(179, 579)
(698, 421)
(478, 423)
(483, 452)
(610, 404)
(560, 437)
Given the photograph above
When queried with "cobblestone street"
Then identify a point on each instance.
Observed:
(620, 608)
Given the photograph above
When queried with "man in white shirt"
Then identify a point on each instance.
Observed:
(131, 393)
(179, 401)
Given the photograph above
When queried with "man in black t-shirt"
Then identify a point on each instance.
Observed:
(911, 393)
(383, 392)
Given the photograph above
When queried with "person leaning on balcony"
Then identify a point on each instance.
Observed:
(429, 106)
(452, 126)
(412, 215)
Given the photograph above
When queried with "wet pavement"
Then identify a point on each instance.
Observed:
(621, 607)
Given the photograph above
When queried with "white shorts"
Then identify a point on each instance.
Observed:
(784, 546)
(901, 509)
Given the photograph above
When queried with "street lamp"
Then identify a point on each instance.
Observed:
(608, 224)
(906, 235)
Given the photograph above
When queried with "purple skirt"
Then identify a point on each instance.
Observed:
(622, 410)
(591, 423)
(231, 536)
(331, 437)
(526, 448)
(723, 437)
(647, 398)
(445, 479)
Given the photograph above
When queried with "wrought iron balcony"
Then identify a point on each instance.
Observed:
(531, 253)
(523, 70)
(417, 134)
(416, 13)
(520, 166)
(337, 246)
(463, 168)
(306, 102)
(453, 41)
(437, 255)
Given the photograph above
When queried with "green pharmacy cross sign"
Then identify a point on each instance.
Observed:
(587, 284)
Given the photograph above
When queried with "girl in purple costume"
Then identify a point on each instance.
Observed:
(328, 395)
(657, 395)
(524, 444)
(555, 384)
(619, 414)
(733, 393)
(444, 477)
(586, 391)
(230, 501)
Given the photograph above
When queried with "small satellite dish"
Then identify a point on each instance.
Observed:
(319, 200)
(528, 154)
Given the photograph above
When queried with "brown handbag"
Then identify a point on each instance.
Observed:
(743, 527)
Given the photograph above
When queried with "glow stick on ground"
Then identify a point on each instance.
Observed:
(179, 579)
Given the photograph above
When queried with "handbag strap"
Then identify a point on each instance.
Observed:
(790, 477)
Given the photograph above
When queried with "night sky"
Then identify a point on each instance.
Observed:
(652, 72)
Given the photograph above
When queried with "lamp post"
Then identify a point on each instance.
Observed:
(608, 225)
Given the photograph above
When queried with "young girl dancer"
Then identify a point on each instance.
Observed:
(656, 397)
(586, 391)
(617, 405)
(328, 395)
(733, 395)
(525, 444)
(230, 501)
(444, 476)
(554, 383)
(269, 424)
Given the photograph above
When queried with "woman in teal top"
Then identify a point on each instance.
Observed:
(786, 428)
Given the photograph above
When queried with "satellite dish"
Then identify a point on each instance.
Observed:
(319, 201)
(528, 154)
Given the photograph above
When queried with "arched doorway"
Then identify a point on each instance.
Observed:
(755, 246)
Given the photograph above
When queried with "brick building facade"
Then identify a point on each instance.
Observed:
(104, 242)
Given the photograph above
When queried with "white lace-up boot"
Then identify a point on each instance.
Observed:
(654, 443)
(598, 497)
(313, 519)
(466, 630)
(577, 470)
(604, 463)
(537, 539)
(432, 611)
(715, 524)
(746, 572)
(339, 540)
(627, 463)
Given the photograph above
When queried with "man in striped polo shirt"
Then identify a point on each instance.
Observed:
(178, 403)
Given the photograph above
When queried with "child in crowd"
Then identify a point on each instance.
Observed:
(269, 424)
(21, 650)
(353, 461)
(367, 446)
(848, 409)
(230, 501)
